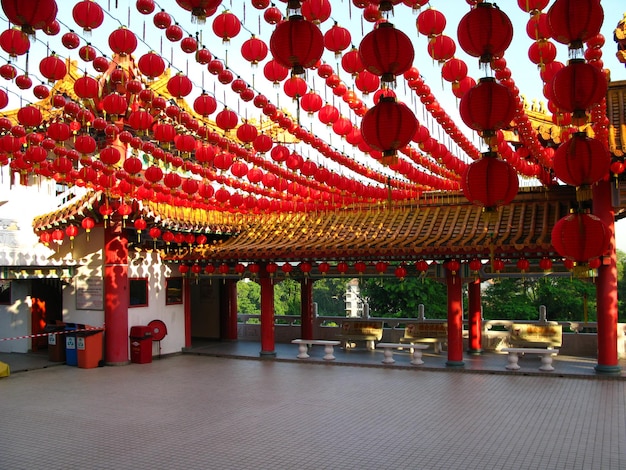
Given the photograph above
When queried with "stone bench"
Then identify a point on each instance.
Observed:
(426, 332)
(361, 330)
(303, 347)
(532, 335)
(546, 357)
(416, 354)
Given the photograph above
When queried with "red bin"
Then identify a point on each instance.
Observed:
(140, 344)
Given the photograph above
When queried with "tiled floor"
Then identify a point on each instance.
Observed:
(194, 411)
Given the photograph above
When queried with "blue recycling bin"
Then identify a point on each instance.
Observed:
(71, 353)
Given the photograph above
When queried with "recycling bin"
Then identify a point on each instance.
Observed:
(71, 355)
(89, 348)
(140, 344)
(56, 343)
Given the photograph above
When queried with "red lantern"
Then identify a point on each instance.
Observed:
(545, 264)
(88, 224)
(53, 68)
(254, 50)
(342, 267)
(30, 15)
(151, 65)
(29, 116)
(431, 22)
(485, 32)
(323, 268)
(200, 9)
(489, 182)
(226, 119)
(297, 44)
(475, 265)
(580, 237)
(271, 268)
(86, 87)
(140, 120)
(577, 87)
(337, 39)
(247, 133)
(14, 42)
(367, 82)
(381, 267)
(386, 52)
(351, 62)
(123, 41)
(110, 155)
(316, 11)
(574, 21)
(453, 266)
(542, 52)
(523, 264)
(497, 265)
(275, 72)
(295, 87)
(179, 85)
(454, 70)
(226, 26)
(183, 269)
(421, 265)
(400, 272)
(88, 15)
(311, 102)
(388, 126)
(441, 48)
(581, 160)
(487, 107)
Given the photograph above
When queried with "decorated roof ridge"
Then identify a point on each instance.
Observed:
(399, 233)
(75, 209)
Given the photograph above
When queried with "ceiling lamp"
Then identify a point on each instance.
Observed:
(387, 127)
(297, 44)
(386, 52)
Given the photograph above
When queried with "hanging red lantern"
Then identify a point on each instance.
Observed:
(254, 50)
(574, 21)
(200, 9)
(88, 15)
(295, 87)
(542, 52)
(226, 119)
(114, 104)
(151, 65)
(337, 39)
(580, 237)
(381, 267)
(189, 44)
(110, 155)
(441, 48)
(29, 116)
(57, 235)
(14, 42)
(430, 22)
(581, 160)
(123, 41)
(421, 265)
(545, 264)
(388, 126)
(400, 272)
(226, 26)
(453, 266)
(497, 265)
(297, 44)
(88, 224)
(86, 87)
(485, 32)
(204, 105)
(140, 120)
(490, 182)
(342, 267)
(523, 264)
(487, 107)
(30, 16)
(454, 70)
(386, 52)
(53, 68)
(179, 85)
(271, 268)
(311, 102)
(351, 62)
(316, 11)
(475, 265)
(577, 87)
(247, 133)
(323, 268)
(328, 114)
(275, 72)
(367, 82)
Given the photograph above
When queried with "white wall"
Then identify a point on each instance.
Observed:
(15, 319)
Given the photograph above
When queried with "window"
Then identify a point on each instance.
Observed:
(138, 290)
(173, 290)
(5, 292)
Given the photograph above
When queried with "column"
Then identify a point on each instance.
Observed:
(267, 313)
(116, 294)
(475, 321)
(187, 309)
(606, 286)
(455, 319)
(306, 308)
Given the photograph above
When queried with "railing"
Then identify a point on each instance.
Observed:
(579, 338)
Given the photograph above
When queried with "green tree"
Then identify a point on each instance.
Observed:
(392, 297)
(287, 297)
(248, 297)
(328, 293)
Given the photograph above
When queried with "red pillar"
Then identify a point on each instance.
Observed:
(606, 286)
(475, 321)
(267, 313)
(187, 310)
(306, 308)
(116, 294)
(455, 320)
(229, 331)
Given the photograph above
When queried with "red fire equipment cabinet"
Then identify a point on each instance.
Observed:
(140, 344)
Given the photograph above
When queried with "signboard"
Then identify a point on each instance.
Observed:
(89, 293)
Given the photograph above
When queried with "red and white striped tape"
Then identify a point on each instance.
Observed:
(39, 335)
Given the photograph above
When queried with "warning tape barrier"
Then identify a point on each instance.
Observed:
(40, 335)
